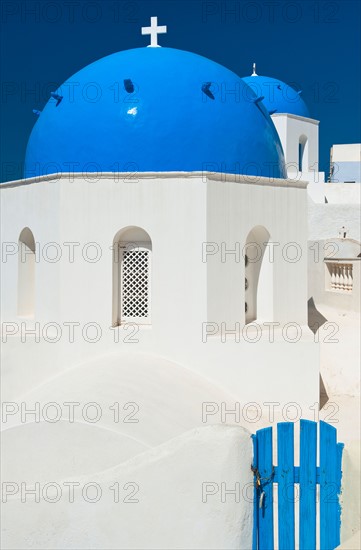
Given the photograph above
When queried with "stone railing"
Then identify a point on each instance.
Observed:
(340, 276)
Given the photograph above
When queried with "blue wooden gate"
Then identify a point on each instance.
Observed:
(307, 475)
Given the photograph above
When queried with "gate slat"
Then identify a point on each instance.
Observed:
(340, 447)
(255, 497)
(285, 471)
(329, 487)
(265, 467)
(308, 470)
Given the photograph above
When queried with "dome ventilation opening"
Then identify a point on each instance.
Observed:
(128, 86)
(57, 97)
(206, 90)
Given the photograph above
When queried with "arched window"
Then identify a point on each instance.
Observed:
(258, 276)
(26, 274)
(132, 250)
(303, 154)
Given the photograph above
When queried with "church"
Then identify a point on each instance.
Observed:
(156, 283)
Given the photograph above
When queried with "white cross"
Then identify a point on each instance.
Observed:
(154, 30)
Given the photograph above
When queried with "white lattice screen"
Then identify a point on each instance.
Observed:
(134, 284)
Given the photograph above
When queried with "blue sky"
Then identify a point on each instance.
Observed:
(314, 45)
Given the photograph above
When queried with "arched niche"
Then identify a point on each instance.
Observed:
(258, 276)
(26, 273)
(132, 258)
(303, 153)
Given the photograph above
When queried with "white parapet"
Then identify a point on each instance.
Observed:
(188, 493)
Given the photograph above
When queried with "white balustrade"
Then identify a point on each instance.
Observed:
(341, 276)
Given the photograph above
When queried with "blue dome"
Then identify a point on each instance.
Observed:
(154, 110)
(278, 96)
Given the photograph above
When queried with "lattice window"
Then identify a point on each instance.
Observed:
(135, 283)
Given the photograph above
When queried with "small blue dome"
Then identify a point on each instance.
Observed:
(154, 110)
(278, 96)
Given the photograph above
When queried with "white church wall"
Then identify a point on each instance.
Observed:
(234, 209)
(90, 215)
(179, 218)
(343, 193)
(343, 247)
(300, 135)
(325, 220)
(294, 130)
(26, 207)
(177, 492)
(280, 361)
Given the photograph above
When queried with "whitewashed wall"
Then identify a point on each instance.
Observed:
(173, 496)
(181, 213)
(325, 220)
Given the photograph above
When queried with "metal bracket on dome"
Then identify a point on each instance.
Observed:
(57, 97)
(206, 90)
(36, 112)
(128, 86)
(258, 99)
